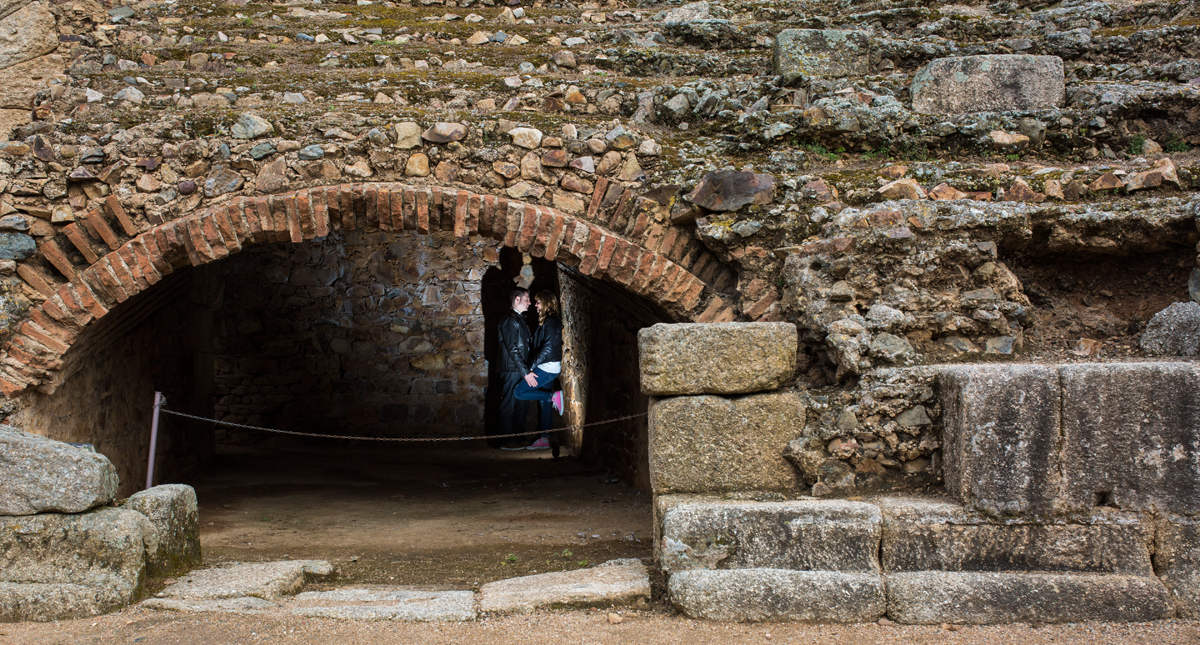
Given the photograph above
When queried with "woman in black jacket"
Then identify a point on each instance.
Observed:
(547, 364)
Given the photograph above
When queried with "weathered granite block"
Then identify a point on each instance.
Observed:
(718, 358)
(387, 603)
(1001, 436)
(614, 582)
(804, 535)
(923, 535)
(701, 444)
(778, 595)
(266, 580)
(992, 83)
(933, 597)
(55, 566)
(27, 33)
(822, 53)
(1132, 436)
(1177, 560)
(173, 511)
(39, 474)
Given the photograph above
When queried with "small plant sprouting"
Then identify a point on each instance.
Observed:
(510, 558)
(879, 153)
(567, 553)
(1175, 144)
(1137, 144)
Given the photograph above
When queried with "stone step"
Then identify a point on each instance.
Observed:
(387, 603)
(934, 597)
(927, 535)
(616, 582)
(58, 566)
(265, 580)
(805, 535)
(778, 595)
(1177, 561)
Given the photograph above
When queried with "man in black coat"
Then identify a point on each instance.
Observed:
(514, 362)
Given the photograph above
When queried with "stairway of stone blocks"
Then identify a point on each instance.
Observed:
(1069, 493)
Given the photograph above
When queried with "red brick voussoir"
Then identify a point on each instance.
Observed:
(33, 354)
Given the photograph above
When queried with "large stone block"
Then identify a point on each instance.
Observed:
(822, 53)
(1131, 436)
(23, 80)
(923, 535)
(614, 582)
(55, 566)
(992, 83)
(387, 603)
(11, 120)
(27, 33)
(804, 535)
(266, 580)
(934, 597)
(703, 444)
(778, 595)
(39, 474)
(30, 601)
(719, 358)
(173, 511)
(1177, 561)
(1000, 436)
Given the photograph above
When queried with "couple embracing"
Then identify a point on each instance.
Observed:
(529, 364)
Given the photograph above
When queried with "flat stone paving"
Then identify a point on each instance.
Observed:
(266, 587)
(387, 603)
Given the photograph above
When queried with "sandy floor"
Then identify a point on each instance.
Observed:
(577, 627)
(444, 514)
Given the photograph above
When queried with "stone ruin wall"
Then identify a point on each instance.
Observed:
(370, 332)
(892, 237)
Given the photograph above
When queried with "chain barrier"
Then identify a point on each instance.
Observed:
(162, 408)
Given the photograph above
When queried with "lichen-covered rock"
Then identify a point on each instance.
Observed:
(59, 566)
(38, 475)
(1174, 331)
(720, 358)
(729, 190)
(702, 444)
(173, 510)
(822, 52)
(613, 582)
(991, 83)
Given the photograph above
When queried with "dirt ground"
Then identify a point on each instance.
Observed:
(452, 516)
(444, 514)
(659, 625)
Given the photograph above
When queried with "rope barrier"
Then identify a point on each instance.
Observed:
(162, 407)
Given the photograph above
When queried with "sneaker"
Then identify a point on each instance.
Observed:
(557, 402)
(541, 444)
(513, 446)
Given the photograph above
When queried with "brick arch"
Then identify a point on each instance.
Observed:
(654, 268)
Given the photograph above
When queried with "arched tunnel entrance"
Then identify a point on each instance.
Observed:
(374, 334)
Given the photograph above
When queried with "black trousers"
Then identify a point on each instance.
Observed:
(512, 411)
